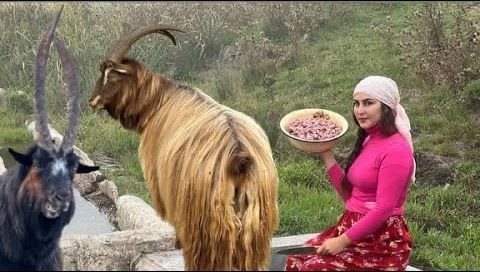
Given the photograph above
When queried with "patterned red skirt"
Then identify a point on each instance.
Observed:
(387, 249)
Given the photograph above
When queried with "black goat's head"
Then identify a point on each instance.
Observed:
(48, 171)
(119, 73)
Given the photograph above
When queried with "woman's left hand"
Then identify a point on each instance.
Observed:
(333, 246)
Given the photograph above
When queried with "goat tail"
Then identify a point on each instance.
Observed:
(252, 180)
(239, 163)
(234, 217)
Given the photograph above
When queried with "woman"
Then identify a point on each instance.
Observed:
(372, 233)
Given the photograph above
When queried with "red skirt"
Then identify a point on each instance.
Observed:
(387, 249)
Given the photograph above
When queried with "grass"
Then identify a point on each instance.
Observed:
(321, 72)
(12, 131)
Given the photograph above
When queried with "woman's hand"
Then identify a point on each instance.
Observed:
(327, 158)
(321, 155)
(333, 246)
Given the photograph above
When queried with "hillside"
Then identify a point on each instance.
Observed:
(267, 59)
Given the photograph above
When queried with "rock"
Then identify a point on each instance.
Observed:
(159, 261)
(113, 251)
(134, 213)
(2, 166)
(104, 204)
(109, 189)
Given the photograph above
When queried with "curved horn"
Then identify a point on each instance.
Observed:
(124, 45)
(41, 124)
(73, 96)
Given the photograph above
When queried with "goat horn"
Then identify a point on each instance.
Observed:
(124, 45)
(73, 97)
(41, 124)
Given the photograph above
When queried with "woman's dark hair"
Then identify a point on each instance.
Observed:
(387, 128)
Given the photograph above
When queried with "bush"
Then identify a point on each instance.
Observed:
(441, 43)
(19, 101)
(473, 88)
(274, 27)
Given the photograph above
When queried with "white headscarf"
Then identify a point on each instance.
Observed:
(386, 91)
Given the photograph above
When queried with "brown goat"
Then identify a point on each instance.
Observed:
(209, 168)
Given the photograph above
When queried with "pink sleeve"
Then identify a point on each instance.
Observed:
(335, 174)
(393, 178)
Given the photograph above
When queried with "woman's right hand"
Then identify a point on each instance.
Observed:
(327, 157)
(321, 155)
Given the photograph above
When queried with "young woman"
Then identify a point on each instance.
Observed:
(372, 233)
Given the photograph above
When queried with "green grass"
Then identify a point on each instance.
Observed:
(322, 73)
(306, 210)
(12, 131)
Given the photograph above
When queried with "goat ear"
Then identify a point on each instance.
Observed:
(84, 169)
(20, 158)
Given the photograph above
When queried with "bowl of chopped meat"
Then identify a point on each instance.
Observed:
(314, 130)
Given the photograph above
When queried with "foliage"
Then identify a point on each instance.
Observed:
(266, 59)
(441, 43)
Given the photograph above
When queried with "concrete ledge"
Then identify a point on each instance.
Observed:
(160, 261)
(291, 240)
(173, 260)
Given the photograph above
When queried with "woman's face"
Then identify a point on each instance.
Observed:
(367, 110)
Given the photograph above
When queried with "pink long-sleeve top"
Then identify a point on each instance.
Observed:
(379, 177)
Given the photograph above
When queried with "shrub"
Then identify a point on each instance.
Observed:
(274, 27)
(441, 43)
(18, 101)
(473, 88)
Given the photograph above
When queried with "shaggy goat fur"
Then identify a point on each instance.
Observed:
(209, 169)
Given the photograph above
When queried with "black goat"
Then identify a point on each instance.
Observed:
(36, 195)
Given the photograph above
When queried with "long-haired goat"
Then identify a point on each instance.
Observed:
(36, 197)
(209, 169)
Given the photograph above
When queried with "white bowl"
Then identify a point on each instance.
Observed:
(316, 146)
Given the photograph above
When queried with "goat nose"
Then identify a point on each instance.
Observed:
(61, 196)
(94, 101)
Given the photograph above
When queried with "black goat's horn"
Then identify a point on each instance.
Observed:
(73, 97)
(124, 44)
(44, 138)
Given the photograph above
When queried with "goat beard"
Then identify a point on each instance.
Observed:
(44, 228)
